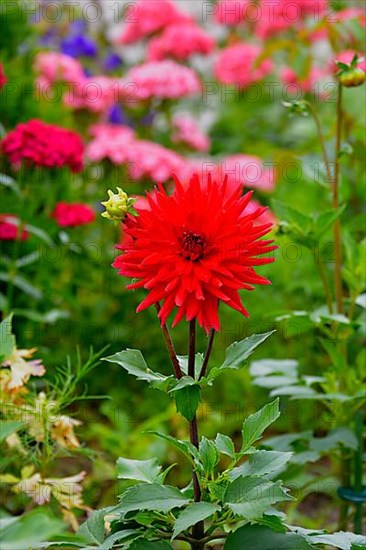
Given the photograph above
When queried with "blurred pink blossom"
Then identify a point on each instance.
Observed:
(187, 131)
(180, 41)
(162, 79)
(315, 76)
(96, 94)
(153, 161)
(237, 65)
(249, 171)
(232, 12)
(148, 16)
(54, 66)
(110, 142)
(346, 57)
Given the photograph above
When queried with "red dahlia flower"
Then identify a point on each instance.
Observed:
(193, 249)
(73, 214)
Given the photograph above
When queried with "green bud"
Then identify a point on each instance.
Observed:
(118, 205)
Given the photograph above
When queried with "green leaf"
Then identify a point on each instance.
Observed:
(250, 497)
(255, 424)
(341, 539)
(183, 383)
(198, 511)
(93, 529)
(151, 496)
(293, 218)
(238, 353)
(187, 400)
(261, 463)
(7, 181)
(183, 363)
(209, 456)
(8, 428)
(184, 447)
(134, 363)
(120, 536)
(29, 530)
(7, 339)
(263, 538)
(225, 445)
(139, 470)
(325, 220)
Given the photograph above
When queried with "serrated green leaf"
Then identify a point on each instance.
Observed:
(93, 529)
(145, 544)
(259, 536)
(151, 496)
(250, 497)
(184, 447)
(238, 353)
(139, 470)
(209, 456)
(183, 363)
(187, 400)
(134, 363)
(261, 463)
(225, 445)
(254, 426)
(29, 530)
(198, 511)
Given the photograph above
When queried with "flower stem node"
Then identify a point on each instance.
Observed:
(118, 205)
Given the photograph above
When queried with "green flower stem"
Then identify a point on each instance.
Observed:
(335, 193)
(170, 346)
(325, 281)
(346, 482)
(198, 529)
(208, 354)
(314, 114)
(358, 470)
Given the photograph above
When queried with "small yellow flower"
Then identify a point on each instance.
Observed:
(118, 205)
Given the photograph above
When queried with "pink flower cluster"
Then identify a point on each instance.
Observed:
(144, 158)
(187, 131)
(147, 17)
(162, 80)
(96, 94)
(10, 229)
(307, 83)
(237, 65)
(279, 15)
(42, 144)
(54, 67)
(73, 214)
(232, 12)
(249, 171)
(110, 142)
(180, 41)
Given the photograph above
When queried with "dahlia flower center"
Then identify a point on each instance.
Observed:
(192, 246)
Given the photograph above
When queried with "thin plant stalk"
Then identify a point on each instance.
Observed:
(335, 200)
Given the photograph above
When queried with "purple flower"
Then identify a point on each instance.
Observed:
(79, 45)
(112, 61)
(117, 116)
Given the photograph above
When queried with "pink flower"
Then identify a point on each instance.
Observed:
(233, 12)
(110, 142)
(180, 41)
(53, 67)
(146, 17)
(42, 144)
(162, 80)
(3, 79)
(249, 171)
(10, 229)
(265, 218)
(279, 15)
(346, 57)
(352, 13)
(237, 65)
(187, 131)
(308, 83)
(153, 161)
(73, 214)
(96, 94)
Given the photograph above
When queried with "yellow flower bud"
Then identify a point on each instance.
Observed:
(117, 206)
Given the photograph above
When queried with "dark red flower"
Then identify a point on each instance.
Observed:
(44, 145)
(73, 214)
(10, 229)
(193, 249)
